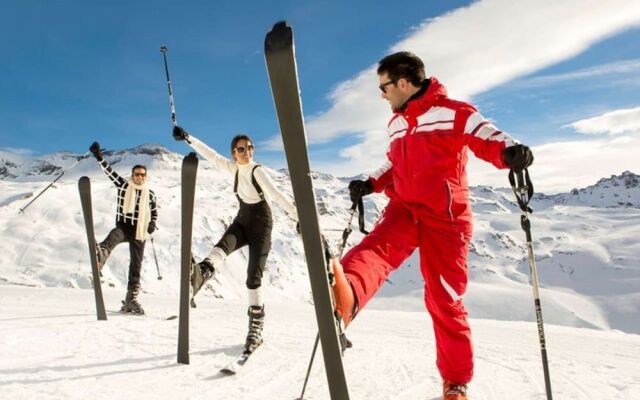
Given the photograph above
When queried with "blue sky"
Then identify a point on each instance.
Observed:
(563, 77)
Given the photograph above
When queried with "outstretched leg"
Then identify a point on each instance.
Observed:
(233, 239)
(104, 248)
(368, 264)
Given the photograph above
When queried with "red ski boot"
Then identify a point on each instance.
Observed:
(342, 293)
(453, 391)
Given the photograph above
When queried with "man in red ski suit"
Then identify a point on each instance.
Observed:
(426, 182)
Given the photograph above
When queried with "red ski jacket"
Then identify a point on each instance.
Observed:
(427, 154)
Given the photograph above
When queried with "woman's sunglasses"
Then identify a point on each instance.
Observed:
(241, 149)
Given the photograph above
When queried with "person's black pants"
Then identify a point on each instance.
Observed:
(127, 233)
(252, 226)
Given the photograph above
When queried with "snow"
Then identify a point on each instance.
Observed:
(51, 345)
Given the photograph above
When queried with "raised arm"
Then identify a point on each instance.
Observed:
(220, 162)
(113, 175)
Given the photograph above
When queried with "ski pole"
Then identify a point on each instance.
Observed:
(163, 50)
(347, 231)
(345, 235)
(55, 180)
(155, 257)
(523, 192)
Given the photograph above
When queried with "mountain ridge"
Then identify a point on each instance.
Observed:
(588, 259)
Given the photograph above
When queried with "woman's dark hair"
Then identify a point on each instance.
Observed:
(238, 138)
(403, 64)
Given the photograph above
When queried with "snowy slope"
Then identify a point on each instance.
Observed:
(585, 241)
(52, 347)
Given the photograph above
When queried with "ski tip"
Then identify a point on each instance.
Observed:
(83, 180)
(280, 25)
(228, 371)
(280, 37)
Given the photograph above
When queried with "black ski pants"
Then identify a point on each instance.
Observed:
(127, 233)
(252, 226)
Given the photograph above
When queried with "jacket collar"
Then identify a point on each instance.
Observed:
(424, 98)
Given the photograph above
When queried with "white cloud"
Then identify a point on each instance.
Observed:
(562, 166)
(600, 71)
(476, 48)
(470, 50)
(613, 123)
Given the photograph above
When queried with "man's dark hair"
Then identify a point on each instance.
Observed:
(135, 167)
(238, 138)
(403, 64)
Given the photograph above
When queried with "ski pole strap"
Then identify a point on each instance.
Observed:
(361, 217)
(357, 205)
(524, 189)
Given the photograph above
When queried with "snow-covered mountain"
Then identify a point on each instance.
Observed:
(586, 241)
(616, 191)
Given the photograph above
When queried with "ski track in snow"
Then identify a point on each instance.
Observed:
(52, 347)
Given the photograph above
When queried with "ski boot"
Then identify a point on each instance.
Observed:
(346, 304)
(200, 274)
(130, 304)
(453, 391)
(256, 323)
(102, 253)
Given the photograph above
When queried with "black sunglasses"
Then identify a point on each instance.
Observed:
(139, 174)
(383, 86)
(241, 149)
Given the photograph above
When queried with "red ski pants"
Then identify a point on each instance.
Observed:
(443, 263)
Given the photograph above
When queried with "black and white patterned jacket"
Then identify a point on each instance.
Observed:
(122, 185)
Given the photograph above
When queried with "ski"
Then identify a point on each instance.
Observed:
(283, 77)
(84, 187)
(236, 365)
(189, 172)
(142, 316)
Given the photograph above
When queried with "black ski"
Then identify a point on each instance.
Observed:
(281, 66)
(189, 172)
(84, 187)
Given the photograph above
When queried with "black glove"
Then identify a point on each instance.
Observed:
(517, 157)
(95, 150)
(152, 227)
(179, 133)
(359, 188)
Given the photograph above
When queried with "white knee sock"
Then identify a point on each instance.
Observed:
(255, 297)
(217, 257)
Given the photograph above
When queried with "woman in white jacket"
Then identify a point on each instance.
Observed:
(251, 227)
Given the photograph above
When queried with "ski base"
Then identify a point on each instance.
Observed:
(236, 365)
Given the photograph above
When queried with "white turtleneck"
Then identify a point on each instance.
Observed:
(246, 190)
